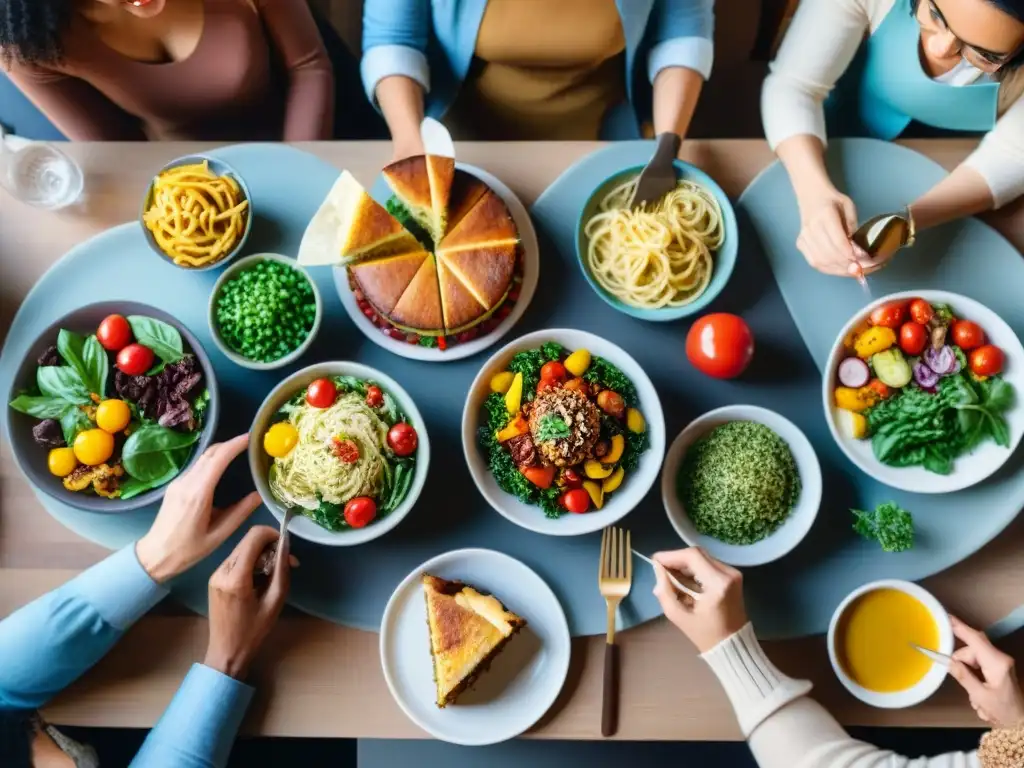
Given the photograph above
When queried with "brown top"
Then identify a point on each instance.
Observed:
(542, 70)
(259, 72)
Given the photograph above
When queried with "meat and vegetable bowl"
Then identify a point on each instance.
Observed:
(117, 408)
(563, 429)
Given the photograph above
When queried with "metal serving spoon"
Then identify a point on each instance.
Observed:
(881, 236)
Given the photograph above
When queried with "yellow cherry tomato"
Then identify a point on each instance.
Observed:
(94, 446)
(280, 439)
(61, 461)
(113, 415)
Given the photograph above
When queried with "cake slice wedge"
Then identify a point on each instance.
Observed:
(441, 174)
(410, 183)
(486, 271)
(419, 307)
(467, 190)
(467, 631)
(487, 223)
(383, 281)
(350, 226)
(459, 307)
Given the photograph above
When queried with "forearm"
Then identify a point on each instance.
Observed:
(964, 192)
(309, 108)
(401, 102)
(676, 90)
(52, 641)
(803, 157)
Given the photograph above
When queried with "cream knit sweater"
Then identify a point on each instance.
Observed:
(786, 729)
(818, 47)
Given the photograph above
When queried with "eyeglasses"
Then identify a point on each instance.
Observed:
(986, 61)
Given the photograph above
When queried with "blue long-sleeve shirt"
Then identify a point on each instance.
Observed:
(52, 641)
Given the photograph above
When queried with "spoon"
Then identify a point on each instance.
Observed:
(675, 582)
(881, 236)
(938, 658)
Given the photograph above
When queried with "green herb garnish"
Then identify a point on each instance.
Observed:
(888, 524)
(552, 427)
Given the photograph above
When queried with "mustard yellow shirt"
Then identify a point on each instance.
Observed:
(542, 69)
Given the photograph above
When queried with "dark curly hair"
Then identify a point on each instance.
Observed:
(32, 31)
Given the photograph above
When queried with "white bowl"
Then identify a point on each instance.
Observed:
(522, 683)
(231, 272)
(930, 683)
(969, 469)
(259, 461)
(792, 530)
(633, 489)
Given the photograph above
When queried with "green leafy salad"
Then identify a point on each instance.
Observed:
(888, 524)
(562, 430)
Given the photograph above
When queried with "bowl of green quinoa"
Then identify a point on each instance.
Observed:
(742, 482)
(264, 312)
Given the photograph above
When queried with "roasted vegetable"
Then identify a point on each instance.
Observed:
(595, 491)
(617, 445)
(612, 403)
(635, 421)
(578, 362)
(518, 426)
(874, 340)
(514, 395)
(856, 400)
(595, 470)
(500, 382)
(613, 481)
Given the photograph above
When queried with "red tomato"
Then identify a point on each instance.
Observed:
(553, 371)
(135, 359)
(374, 397)
(576, 501)
(346, 451)
(402, 439)
(572, 478)
(360, 511)
(881, 389)
(542, 477)
(889, 315)
(967, 335)
(114, 333)
(545, 384)
(921, 311)
(321, 393)
(720, 345)
(913, 338)
(986, 360)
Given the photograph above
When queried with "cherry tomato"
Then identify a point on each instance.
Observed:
(135, 359)
(889, 315)
(374, 397)
(61, 461)
(402, 439)
(280, 439)
(360, 511)
(879, 388)
(545, 384)
(921, 311)
(346, 451)
(576, 501)
(572, 478)
(720, 345)
(967, 335)
(913, 338)
(113, 415)
(986, 360)
(553, 371)
(321, 393)
(93, 446)
(114, 333)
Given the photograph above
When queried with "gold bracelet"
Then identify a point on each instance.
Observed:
(911, 229)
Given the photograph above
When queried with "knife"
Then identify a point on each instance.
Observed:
(436, 139)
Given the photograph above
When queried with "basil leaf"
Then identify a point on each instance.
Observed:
(62, 381)
(999, 429)
(150, 452)
(40, 406)
(163, 339)
(132, 487)
(72, 422)
(1000, 396)
(97, 365)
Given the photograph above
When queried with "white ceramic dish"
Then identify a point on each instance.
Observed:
(930, 683)
(970, 469)
(787, 535)
(525, 678)
(259, 461)
(531, 271)
(232, 271)
(634, 487)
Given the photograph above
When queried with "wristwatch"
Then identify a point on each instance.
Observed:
(911, 234)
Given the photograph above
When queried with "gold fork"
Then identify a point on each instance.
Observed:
(614, 579)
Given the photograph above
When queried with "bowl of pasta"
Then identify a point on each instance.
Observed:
(197, 213)
(662, 260)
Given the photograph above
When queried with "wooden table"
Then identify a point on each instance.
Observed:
(326, 679)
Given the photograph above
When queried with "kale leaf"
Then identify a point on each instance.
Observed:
(888, 524)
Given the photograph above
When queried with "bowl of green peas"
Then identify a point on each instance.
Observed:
(265, 310)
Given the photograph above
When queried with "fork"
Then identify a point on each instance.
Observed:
(614, 579)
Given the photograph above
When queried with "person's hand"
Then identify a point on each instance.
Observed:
(827, 219)
(240, 616)
(989, 677)
(718, 614)
(188, 527)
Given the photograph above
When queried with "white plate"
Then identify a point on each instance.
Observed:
(967, 470)
(634, 487)
(525, 678)
(787, 535)
(531, 271)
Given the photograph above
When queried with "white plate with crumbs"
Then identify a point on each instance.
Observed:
(523, 680)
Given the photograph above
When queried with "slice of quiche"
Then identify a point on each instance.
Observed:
(467, 630)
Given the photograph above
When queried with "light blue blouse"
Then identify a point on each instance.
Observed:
(51, 642)
(432, 42)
